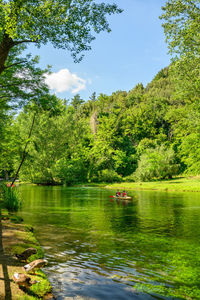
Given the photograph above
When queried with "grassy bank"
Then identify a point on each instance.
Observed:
(15, 238)
(181, 184)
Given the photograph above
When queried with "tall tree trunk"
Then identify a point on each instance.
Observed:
(24, 152)
(5, 46)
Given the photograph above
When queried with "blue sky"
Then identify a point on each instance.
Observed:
(133, 52)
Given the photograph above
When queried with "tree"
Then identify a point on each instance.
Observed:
(59, 146)
(40, 138)
(76, 101)
(156, 163)
(182, 26)
(7, 144)
(93, 97)
(23, 83)
(65, 24)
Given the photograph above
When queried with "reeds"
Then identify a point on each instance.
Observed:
(11, 198)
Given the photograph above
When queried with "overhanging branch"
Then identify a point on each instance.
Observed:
(25, 41)
(15, 64)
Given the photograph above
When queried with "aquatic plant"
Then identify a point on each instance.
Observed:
(11, 198)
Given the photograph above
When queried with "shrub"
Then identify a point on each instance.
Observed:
(130, 178)
(109, 176)
(11, 198)
(70, 171)
(190, 153)
(156, 163)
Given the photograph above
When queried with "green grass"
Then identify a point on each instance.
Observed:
(37, 290)
(11, 198)
(180, 184)
(27, 240)
(90, 184)
(43, 286)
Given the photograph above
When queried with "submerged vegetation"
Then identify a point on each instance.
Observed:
(146, 244)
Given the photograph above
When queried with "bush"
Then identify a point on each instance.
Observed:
(156, 163)
(11, 198)
(190, 155)
(109, 176)
(130, 178)
(70, 171)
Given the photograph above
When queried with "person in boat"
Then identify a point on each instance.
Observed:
(124, 194)
(118, 194)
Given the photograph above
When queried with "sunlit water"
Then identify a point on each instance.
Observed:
(100, 248)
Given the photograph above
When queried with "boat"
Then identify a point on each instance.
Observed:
(122, 198)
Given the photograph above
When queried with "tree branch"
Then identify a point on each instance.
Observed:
(25, 41)
(15, 64)
(24, 152)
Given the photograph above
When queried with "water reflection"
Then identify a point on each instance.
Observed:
(101, 248)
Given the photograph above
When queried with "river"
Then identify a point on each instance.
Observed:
(100, 248)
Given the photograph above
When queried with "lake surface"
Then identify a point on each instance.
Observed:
(100, 248)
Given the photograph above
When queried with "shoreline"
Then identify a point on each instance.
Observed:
(180, 184)
(15, 237)
(184, 184)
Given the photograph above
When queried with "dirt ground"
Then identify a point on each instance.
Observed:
(8, 264)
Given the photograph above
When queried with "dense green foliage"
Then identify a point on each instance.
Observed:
(106, 139)
(70, 25)
(142, 134)
(181, 26)
(65, 24)
(156, 163)
(146, 133)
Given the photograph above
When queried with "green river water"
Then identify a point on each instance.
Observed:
(100, 248)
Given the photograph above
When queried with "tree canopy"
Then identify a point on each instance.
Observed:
(67, 24)
(182, 26)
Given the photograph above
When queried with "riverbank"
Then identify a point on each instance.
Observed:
(15, 238)
(180, 184)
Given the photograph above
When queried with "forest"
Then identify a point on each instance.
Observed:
(150, 132)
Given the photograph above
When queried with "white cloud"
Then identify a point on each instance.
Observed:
(63, 81)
